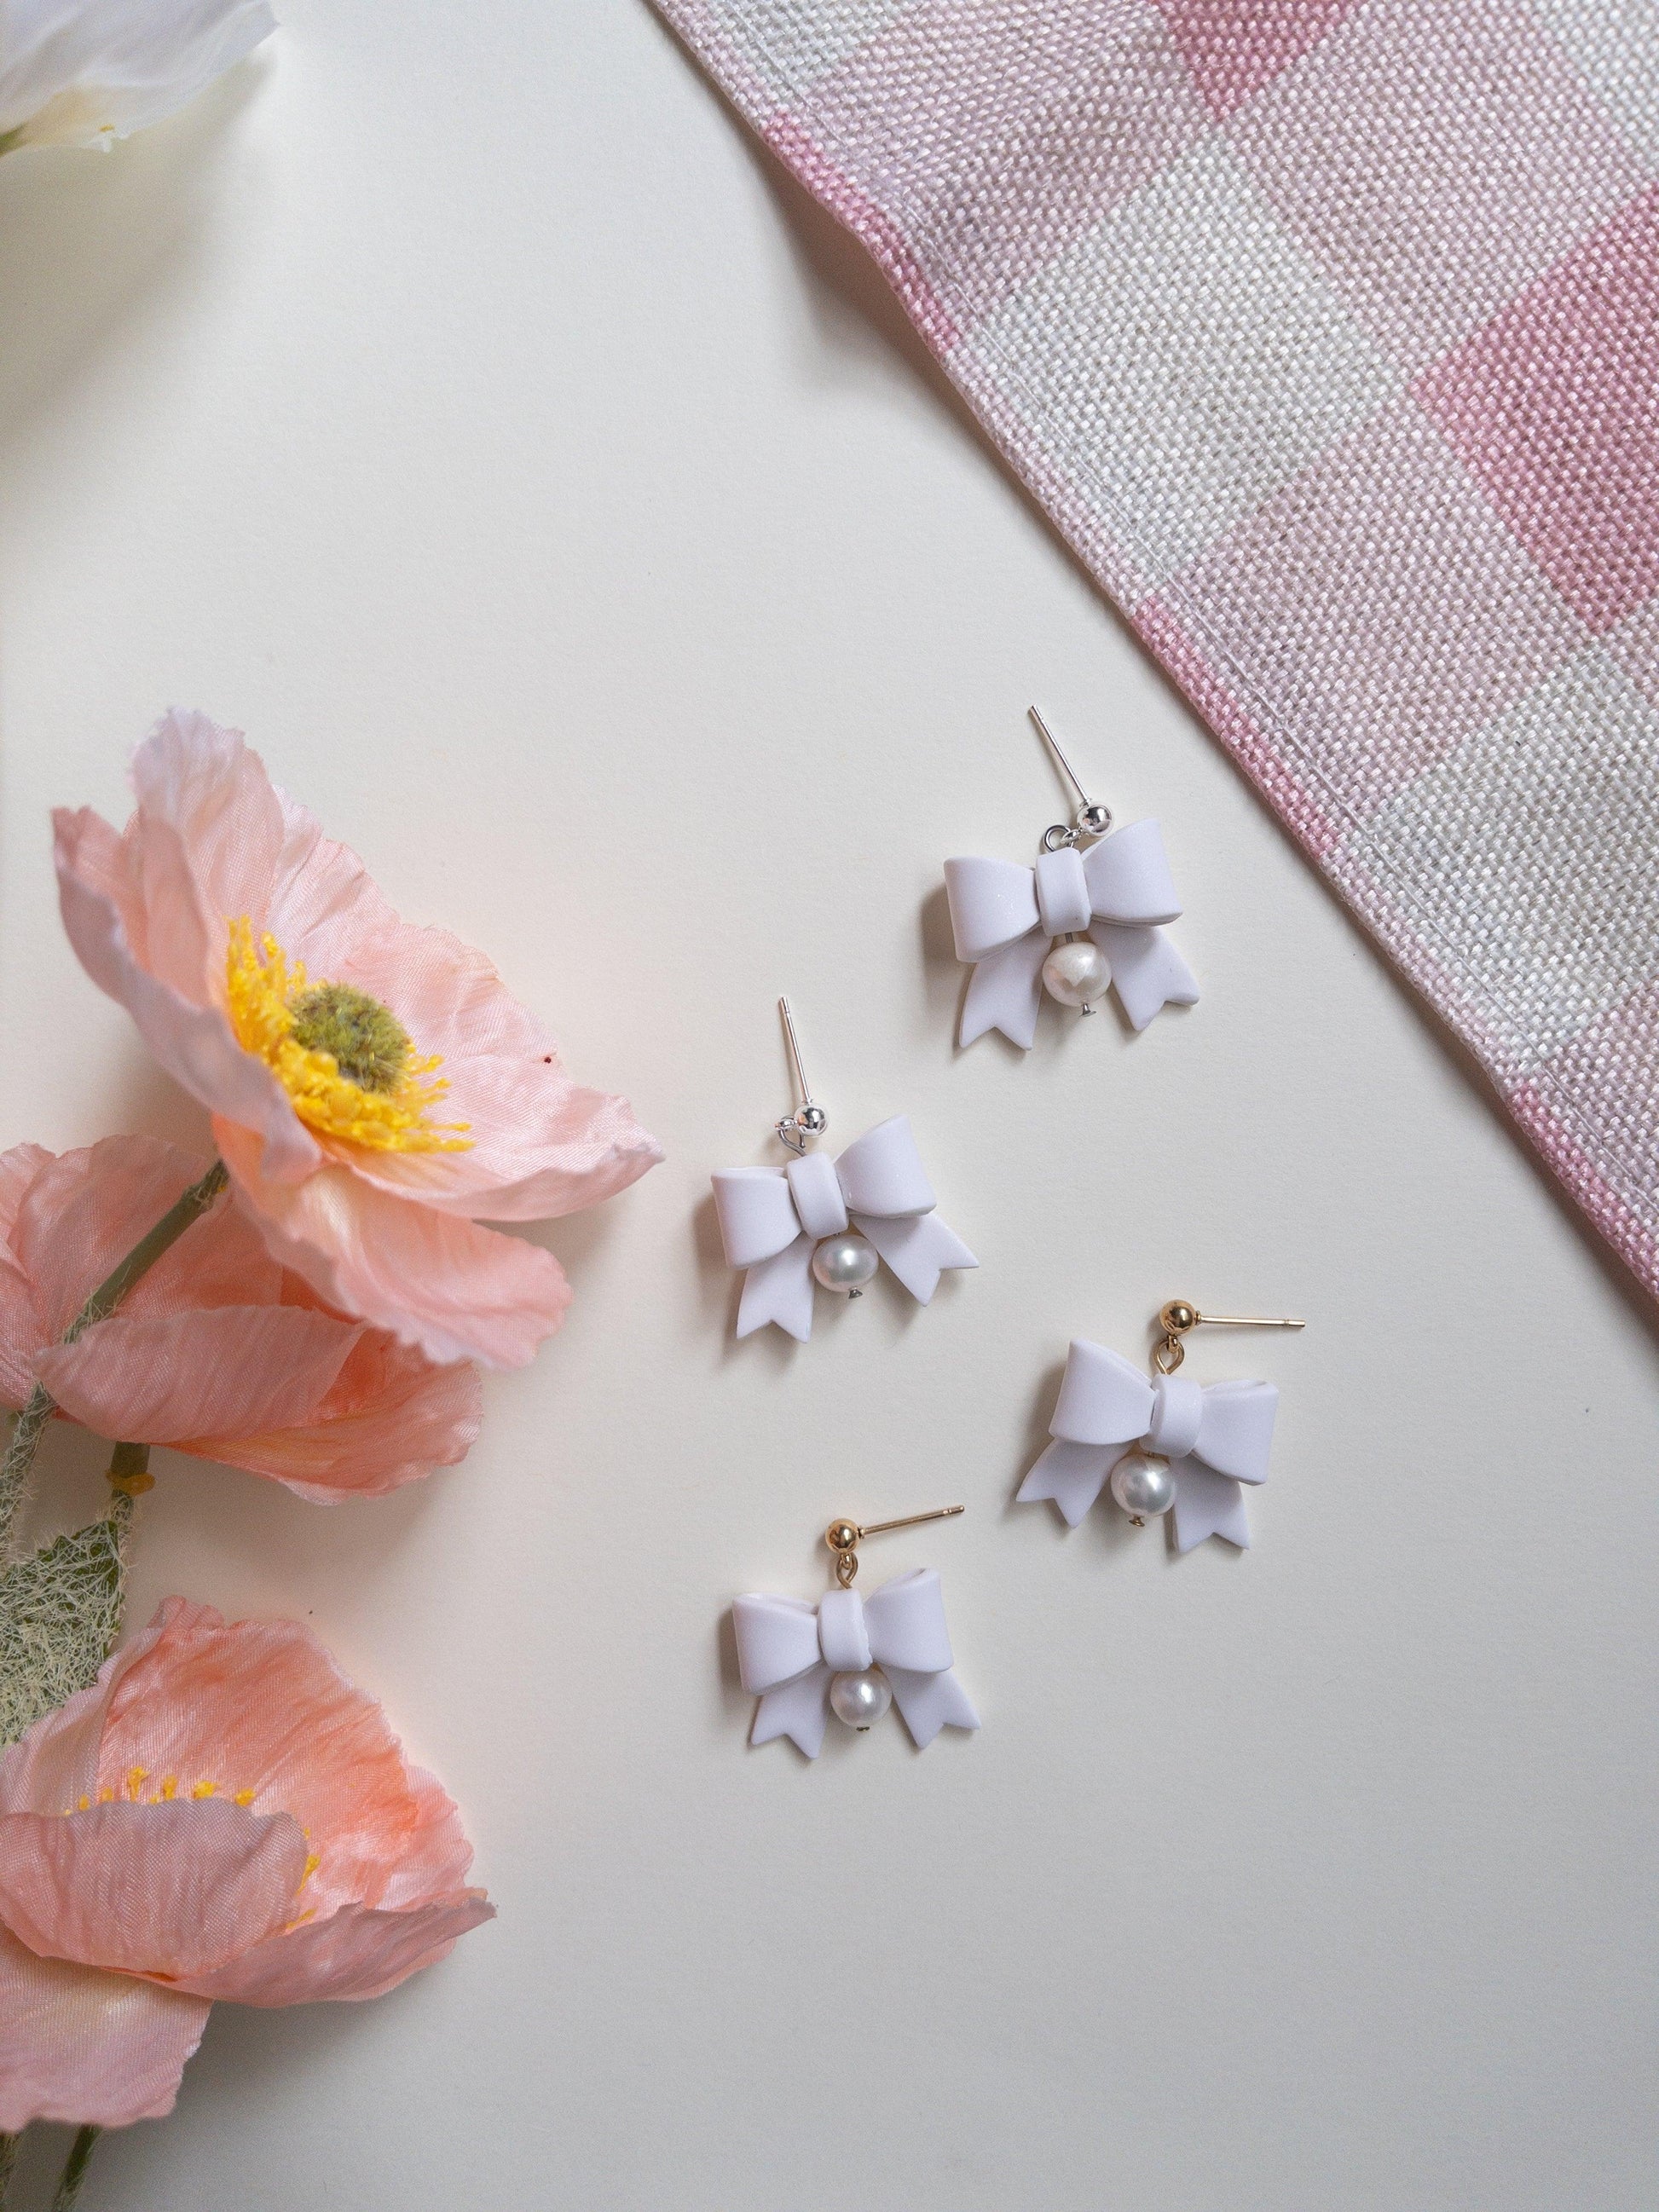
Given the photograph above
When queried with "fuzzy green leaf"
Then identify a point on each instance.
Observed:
(59, 1612)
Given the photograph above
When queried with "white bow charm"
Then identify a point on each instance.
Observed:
(1215, 1438)
(1007, 917)
(773, 1221)
(791, 1655)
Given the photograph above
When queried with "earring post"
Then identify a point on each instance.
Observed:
(1053, 742)
(1245, 1321)
(909, 1520)
(795, 1053)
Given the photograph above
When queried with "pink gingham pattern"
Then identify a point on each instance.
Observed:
(1327, 332)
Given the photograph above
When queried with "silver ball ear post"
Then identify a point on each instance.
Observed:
(809, 1120)
(1093, 820)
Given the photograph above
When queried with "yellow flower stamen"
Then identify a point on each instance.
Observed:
(204, 1789)
(278, 1016)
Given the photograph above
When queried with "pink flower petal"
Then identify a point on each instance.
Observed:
(91, 2048)
(357, 1951)
(84, 1212)
(539, 1144)
(235, 1371)
(436, 1856)
(221, 1261)
(54, 1763)
(192, 1042)
(165, 1889)
(171, 1882)
(20, 1334)
(390, 1418)
(261, 1707)
(217, 1350)
(455, 1291)
(323, 903)
(203, 848)
(18, 1169)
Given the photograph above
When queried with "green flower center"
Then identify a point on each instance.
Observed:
(368, 1044)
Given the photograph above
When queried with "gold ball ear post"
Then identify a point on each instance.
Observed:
(843, 1536)
(1180, 1315)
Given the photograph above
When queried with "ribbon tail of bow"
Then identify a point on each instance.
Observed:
(1004, 992)
(798, 1710)
(1207, 1505)
(780, 1289)
(918, 1247)
(930, 1702)
(1148, 974)
(1071, 1475)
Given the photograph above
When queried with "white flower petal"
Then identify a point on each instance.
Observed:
(85, 72)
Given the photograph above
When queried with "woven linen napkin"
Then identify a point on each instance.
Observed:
(1327, 332)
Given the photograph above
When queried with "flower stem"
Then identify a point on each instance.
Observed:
(26, 1433)
(74, 2168)
(8, 2160)
(129, 1476)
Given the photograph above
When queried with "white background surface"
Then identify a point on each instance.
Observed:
(460, 404)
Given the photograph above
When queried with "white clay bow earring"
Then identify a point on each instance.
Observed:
(852, 1656)
(1169, 1443)
(1078, 923)
(831, 1222)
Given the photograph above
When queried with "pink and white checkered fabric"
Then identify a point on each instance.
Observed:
(1327, 332)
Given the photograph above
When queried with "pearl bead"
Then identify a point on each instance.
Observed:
(845, 1262)
(1077, 973)
(859, 1699)
(1143, 1487)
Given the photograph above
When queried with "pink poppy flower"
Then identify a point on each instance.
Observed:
(272, 979)
(222, 1815)
(217, 1351)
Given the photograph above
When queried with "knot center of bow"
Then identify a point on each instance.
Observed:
(1177, 1416)
(820, 1202)
(843, 1636)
